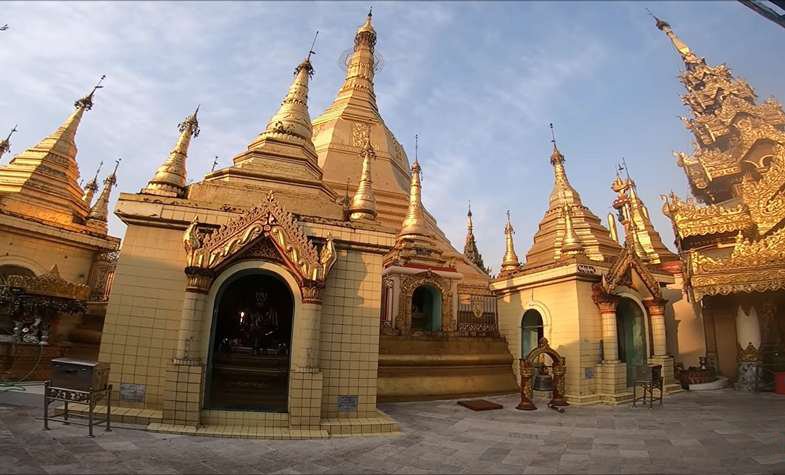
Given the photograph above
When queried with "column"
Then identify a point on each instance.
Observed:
(189, 335)
(612, 373)
(184, 379)
(305, 378)
(610, 334)
(656, 310)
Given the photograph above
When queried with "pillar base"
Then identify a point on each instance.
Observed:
(612, 377)
(667, 368)
(305, 398)
(748, 376)
(182, 393)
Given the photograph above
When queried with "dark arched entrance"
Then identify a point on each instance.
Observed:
(250, 344)
(531, 331)
(632, 336)
(426, 309)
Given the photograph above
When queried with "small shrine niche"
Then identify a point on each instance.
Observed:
(543, 369)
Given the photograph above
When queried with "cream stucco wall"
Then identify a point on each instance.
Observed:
(686, 335)
(142, 317)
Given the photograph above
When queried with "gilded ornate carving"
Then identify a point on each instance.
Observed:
(361, 133)
(409, 283)
(49, 284)
(753, 266)
(691, 219)
(750, 354)
(260, 230)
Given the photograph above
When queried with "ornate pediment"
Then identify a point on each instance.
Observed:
(620, 273)
(261, 230)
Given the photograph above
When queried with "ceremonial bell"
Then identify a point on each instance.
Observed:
(543, 381)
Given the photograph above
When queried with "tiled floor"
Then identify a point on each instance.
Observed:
(715, 432)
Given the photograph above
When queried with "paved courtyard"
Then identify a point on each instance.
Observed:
(717, 432)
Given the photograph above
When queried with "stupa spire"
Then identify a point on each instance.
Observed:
(5, 144)
(363, 205)
(91, 187)
(562, 189)
(99, 213)
(681, 47)
(63, 140)
(43, 180)
(170, 178)
(360, 67)
(510, 262)
(292, 123)
(470, 250)
(571, 244)
(414, 222)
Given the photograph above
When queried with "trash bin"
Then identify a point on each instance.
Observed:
(779, 382)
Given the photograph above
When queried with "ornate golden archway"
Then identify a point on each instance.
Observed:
(409, 284)
(267, 232)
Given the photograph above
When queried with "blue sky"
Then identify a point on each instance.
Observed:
(479, 82)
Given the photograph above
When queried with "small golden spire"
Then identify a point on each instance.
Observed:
(571, 244)
(414, 222)
(510, 262)
(562, 189)
(363, 205)
(5, 144)
(292, 122)
(99, 213)
(470, 249)
(681, 47)
(91, 187)
(170, 178)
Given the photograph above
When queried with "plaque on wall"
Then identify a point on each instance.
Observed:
(347, 403)
(132, 392)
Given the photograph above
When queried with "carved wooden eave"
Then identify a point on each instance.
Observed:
(49, 284)
(620, 274)
(757, 266)
(690, 219)
(207, 253)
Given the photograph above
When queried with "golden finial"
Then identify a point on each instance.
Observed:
(366, 34)
(87, 101)
(5, 144)
(556, 155)
(306, 64)
(680, 45)
(364, 203)
(510, 262)
(99, 212)
(170, 178)
(191, 124)
(414, 222)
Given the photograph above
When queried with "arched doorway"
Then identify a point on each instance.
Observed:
(426, 309)
(531, 331)
(632, 336)
(250, 344)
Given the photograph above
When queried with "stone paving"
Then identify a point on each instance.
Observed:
(712, 432)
